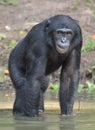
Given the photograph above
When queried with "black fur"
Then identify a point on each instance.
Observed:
(35, 57)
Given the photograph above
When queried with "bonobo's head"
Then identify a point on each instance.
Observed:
(63, 31)
(62, 38)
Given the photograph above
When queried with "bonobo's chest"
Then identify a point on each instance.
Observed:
(53, 63)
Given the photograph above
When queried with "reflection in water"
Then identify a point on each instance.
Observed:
(33, 127)
(48, 121)
(24, 123)
(67, 123)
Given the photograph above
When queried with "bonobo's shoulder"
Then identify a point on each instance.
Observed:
(37, 29)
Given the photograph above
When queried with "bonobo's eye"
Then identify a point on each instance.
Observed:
(69, 33)
(58, 32)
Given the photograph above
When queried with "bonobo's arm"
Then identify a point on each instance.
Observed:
(69, 81)
(17, 65)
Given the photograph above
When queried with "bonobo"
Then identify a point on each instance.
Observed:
(48, 45)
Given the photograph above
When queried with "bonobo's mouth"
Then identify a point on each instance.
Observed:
(61, 49)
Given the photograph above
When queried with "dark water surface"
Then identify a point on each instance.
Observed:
(84, 120)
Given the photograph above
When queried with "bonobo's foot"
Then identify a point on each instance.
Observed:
(33, 113)
(64, 115)
(25, 104)
(16, 113)
(67, 110)
(20, 109)
(41, 108)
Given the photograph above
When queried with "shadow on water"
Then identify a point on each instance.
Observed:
(48, 121)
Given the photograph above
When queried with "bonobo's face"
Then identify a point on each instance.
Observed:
(62, 38)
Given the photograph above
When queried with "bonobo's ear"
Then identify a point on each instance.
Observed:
(47, 24)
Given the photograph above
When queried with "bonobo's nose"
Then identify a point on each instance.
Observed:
(63, 40)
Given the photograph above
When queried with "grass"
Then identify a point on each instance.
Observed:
(2, 36)
(9, 2)
(93, 11)
(89, 46)
(11, 44)
(89, 87)
(90, 2)
(76, 4)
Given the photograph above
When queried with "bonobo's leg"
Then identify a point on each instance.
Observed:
(28, 87)
(34, 76)
(27, 100)
(44, 85)
(21, 87)
(68, 82)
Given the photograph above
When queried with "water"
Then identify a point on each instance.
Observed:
(84, 120)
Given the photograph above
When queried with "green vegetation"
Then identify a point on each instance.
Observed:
(9, 2)
(93, 11)
(2, 36)
(86, 91)
(76, 4)
(89, 87)
(89, 46)
(90, 2)
(11, 45)
(2, 75)
(89, 84)
(54, 87)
